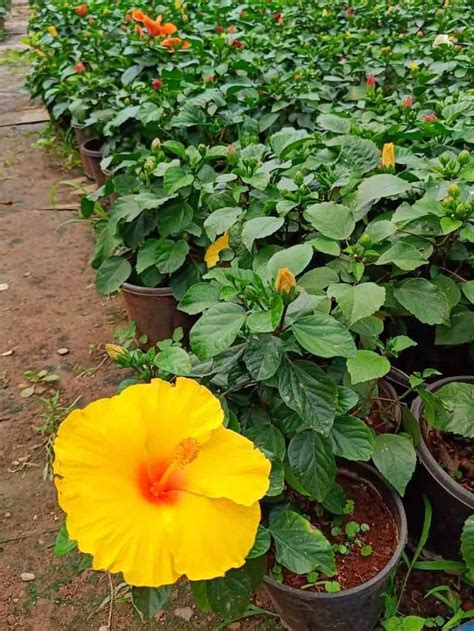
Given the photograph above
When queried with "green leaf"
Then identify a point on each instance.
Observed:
(323, 336)
(299, 546)
(359, 154)
(111, 275)
(448, 224)
(189, 116)
(174, 360)
(147, 255)
(378, 186)
(467, 543)
(457, 411)
(400, 343)
(125, 114)
(199, 592)
(406, 623)
(367, 365)
(318, 279)
(332, 220)
(468, 290)
(131, 73)
(263, 355)
(460, 331)
(336, 124)
(395, 458)
(63, 545)
(352, 439)
(149, 600)
(221, 220)
(423, 300)
(262, 543)
(216, 330)
(268, 439)
(357, 301)
(198, 298)
(174, 218)
(259, 228)
(306, 389)
(170, 255)
(176, 178)
(296, 258)
(312, 461)
(403, 255)
(229, 596)
(288, 139)
(327, 246)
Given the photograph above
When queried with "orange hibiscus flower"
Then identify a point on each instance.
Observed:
(155, 28)
(175, 43)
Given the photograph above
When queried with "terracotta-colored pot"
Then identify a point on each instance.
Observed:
(91, 154)
(155, 312)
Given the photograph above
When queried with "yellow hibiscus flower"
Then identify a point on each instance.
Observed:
(155, 487)
(388, 155)
(212, 253)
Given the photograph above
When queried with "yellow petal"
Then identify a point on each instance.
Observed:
(388, 155)
(212, 536)
(212, 253)
(229, 466)
(121, 530)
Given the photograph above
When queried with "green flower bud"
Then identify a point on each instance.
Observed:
(463, 157)
(453, 190)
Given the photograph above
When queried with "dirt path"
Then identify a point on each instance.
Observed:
(47, 303)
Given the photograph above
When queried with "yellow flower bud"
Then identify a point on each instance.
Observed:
(388, 155)
(52, 30)
(114, 351)
(285, 281)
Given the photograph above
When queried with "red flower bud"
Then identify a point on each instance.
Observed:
(79, 67)
(236, 43)
(81, 10)
(371, 81)
(430, 118)
(407, 102)
(156, 84)
(277, 16)
(219, 28)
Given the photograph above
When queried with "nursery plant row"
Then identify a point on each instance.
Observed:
(285, 200)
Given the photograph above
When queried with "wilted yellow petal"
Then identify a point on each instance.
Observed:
(212, 253)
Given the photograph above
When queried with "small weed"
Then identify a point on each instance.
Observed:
(53, 413)
(39, 380)
(60, 144)
(16, 58)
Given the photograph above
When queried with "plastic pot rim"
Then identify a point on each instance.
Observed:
(426, 457)
(130, 288)
(92, 153)
(380, 576)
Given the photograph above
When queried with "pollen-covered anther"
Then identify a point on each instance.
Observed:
(186, 451)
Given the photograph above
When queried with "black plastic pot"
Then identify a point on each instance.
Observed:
(356, 609)
(91, 156)
(452, 504)
(155, 312)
